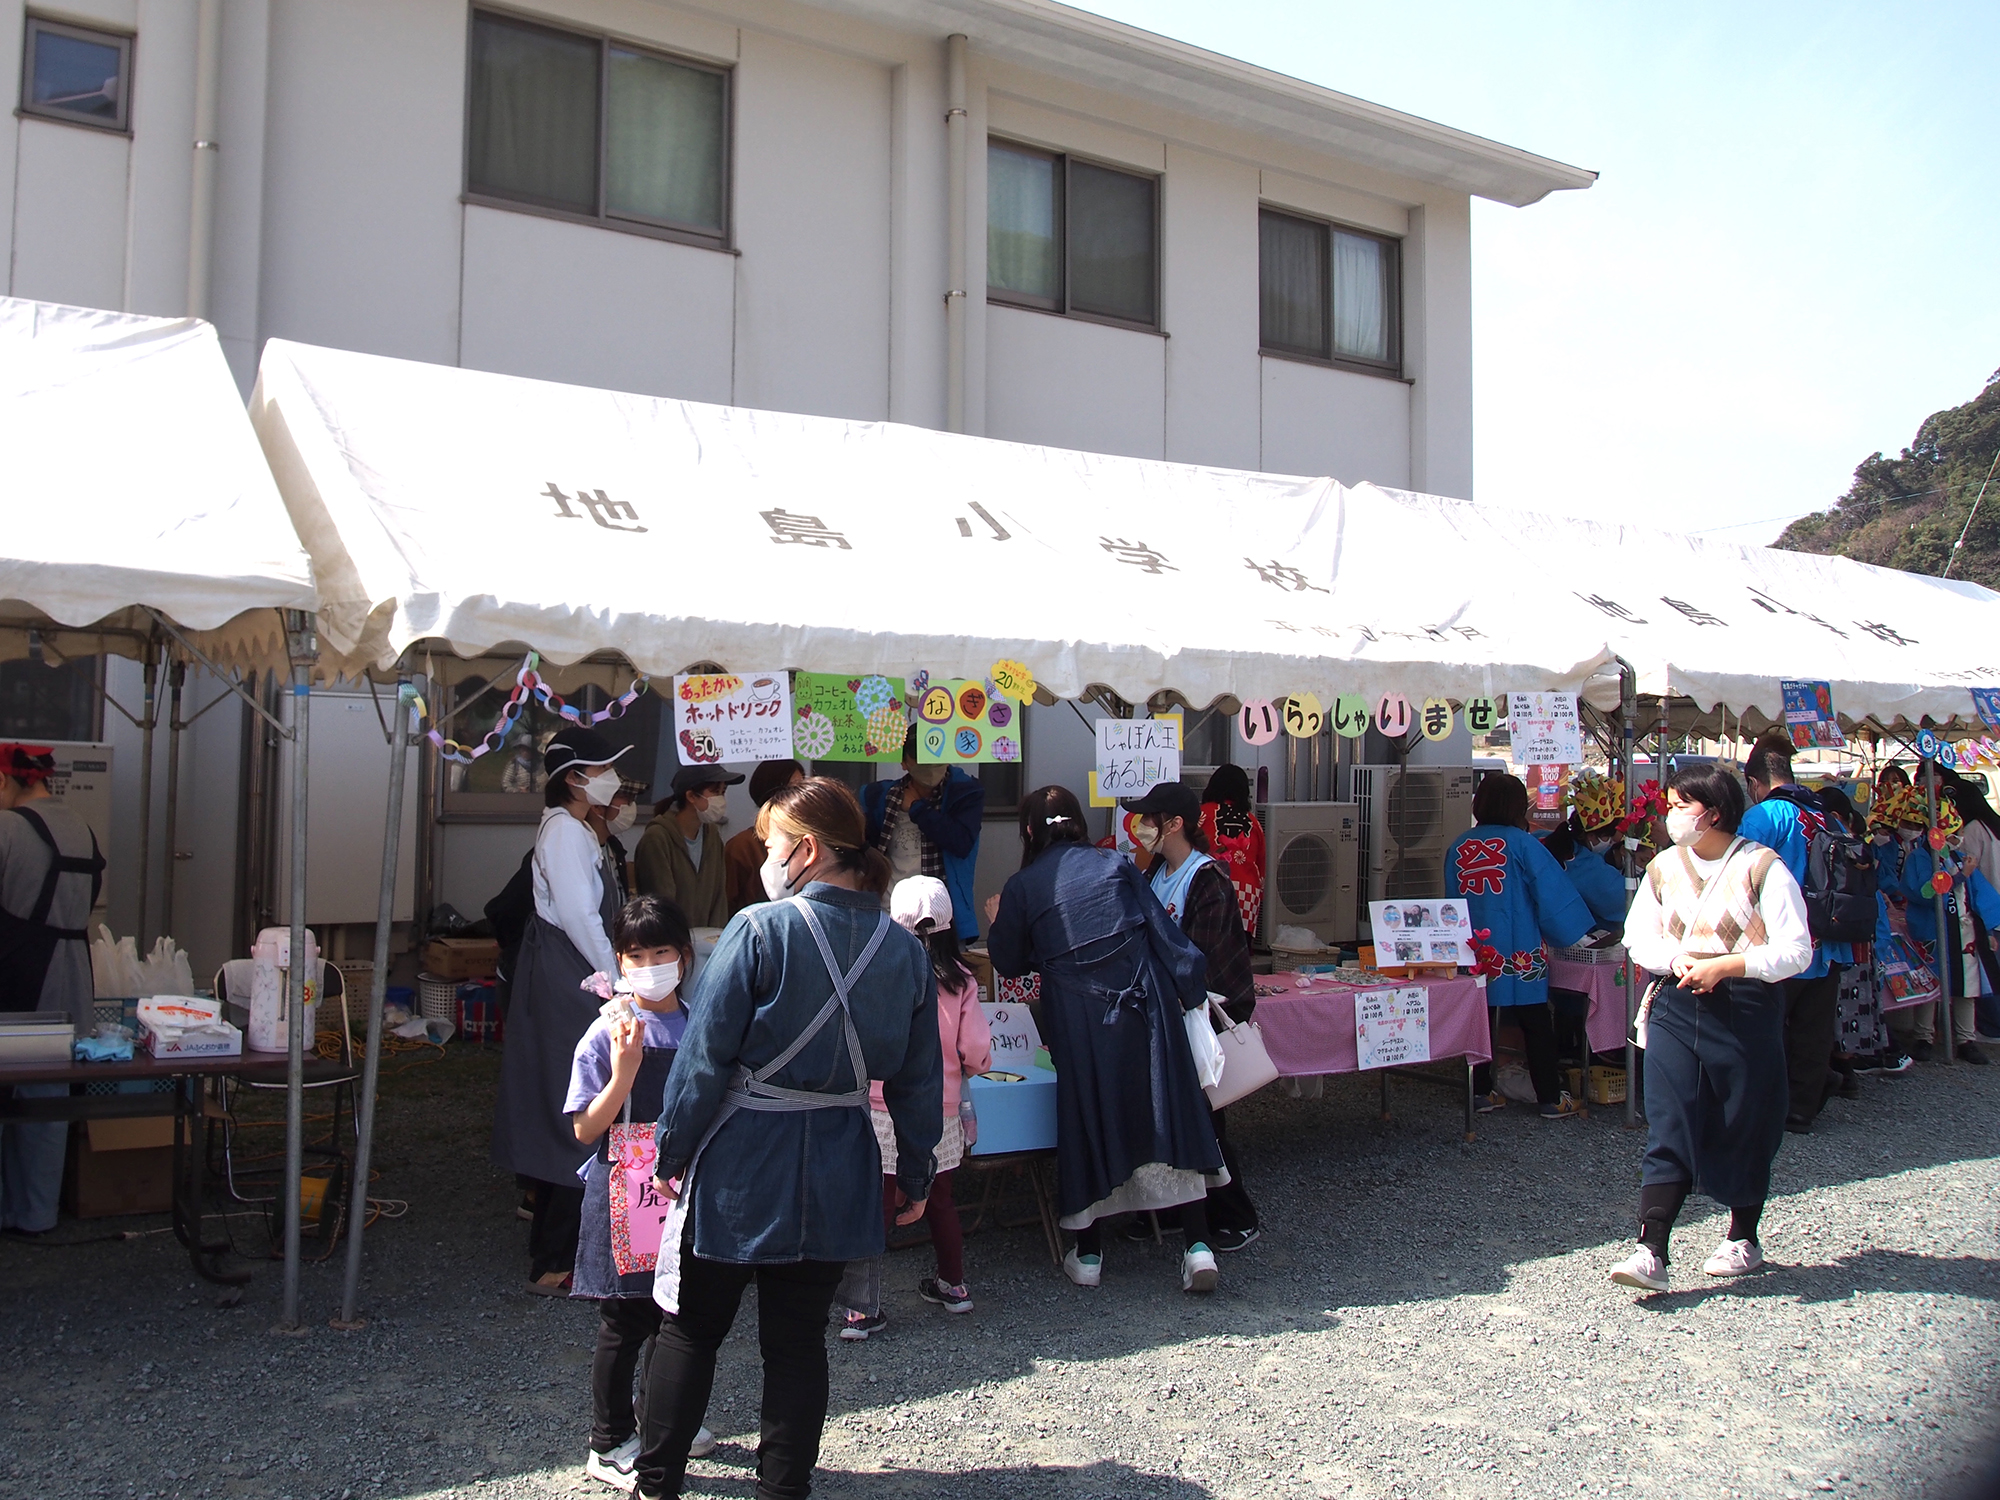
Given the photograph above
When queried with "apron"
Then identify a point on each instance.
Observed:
(753, 1091)
(28, 944)
(548, 1015)
(596, 1274)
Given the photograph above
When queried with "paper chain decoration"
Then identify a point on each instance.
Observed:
(528, 683)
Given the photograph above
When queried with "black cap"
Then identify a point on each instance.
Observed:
(1168, 799)
(577, 748)
(693, 778)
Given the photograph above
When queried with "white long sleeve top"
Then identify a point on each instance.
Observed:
(569, 885)
(1787, 949)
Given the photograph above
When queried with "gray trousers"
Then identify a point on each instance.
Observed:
(31, 1165)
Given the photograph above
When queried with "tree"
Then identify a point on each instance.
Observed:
(1908, 512)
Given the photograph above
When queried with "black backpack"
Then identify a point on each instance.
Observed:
(1840, 874)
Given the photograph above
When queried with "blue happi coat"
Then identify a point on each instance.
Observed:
(1601, 886)
(1514, 888)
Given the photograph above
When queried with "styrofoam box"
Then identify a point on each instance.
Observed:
(1014, 1116)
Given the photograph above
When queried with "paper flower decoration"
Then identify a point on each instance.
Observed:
(886, 727)
(1005, 748)
(873, 694)
(812, 735)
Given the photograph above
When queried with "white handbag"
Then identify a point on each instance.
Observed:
(1207, 1051)
(1246, 1066)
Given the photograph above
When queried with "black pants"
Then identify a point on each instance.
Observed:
(1538, 1031)
(792, 1303)
(1812, 1026)
(558, 1212)
(625, 1324)
(1229, 1206)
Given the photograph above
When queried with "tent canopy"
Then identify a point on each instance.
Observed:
(482, 510)
(137, 481)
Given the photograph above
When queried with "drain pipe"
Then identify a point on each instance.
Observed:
(201, 192)
(957, 130)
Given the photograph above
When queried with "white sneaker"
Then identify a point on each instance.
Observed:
(1642, 1269)
(1084, 1270)
(616, 1467)
(1735, 1258)
(1198, 1273)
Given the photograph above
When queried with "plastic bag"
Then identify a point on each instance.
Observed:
(166, 970)
(114, 966)
(1206, 1049)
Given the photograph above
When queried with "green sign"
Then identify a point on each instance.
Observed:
(835, 717)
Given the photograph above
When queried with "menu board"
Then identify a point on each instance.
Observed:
(844, 718)
(1392, 1027)
(1545, 729)
(723, 716)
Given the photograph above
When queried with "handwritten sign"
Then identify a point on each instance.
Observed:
(1435, 718)
(732, 718)
(1809, 714)
(1134, 755)
(844, 718)
(1392, 1027)
(1545, 729)
(1015, 1039)
(1258, 721)
(1012, 680)
(1412, 931)
(637, 1207)
(961, 721)
(1350, 716)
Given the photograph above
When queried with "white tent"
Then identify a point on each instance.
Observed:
(1723, 624)
(133, 480)
(484, 510)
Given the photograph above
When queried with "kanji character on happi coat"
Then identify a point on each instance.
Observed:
(1235, 839)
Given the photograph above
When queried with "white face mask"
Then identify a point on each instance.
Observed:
(716, 811)
(1684, 826)
(654, 981)
(623, 819)
(776, 873)
(601, 788)
(1146, 836)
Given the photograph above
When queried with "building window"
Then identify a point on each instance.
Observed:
(50, 701)
(78, 74)
(586, 126)
(1329, 293)
(1070, 236)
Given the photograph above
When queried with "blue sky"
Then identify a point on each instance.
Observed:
(1791, 257)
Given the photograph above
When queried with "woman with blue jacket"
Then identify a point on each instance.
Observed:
(765, 1143)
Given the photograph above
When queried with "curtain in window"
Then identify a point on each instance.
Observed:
(1111, 229)
(1022, 231)
(1292, 284)
(534, 114)
(1360, 298)
(663, 141)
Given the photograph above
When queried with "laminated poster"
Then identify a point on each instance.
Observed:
(1392, 1027)
(1134, 755)
(1809, 714)
(960, 722)
(1545, 729)
(843, 718)
(1412, 931)
(1986, 703)
(725, 717)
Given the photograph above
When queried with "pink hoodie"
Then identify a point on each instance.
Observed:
(964, 1036)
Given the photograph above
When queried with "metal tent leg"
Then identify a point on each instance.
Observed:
(299, 629)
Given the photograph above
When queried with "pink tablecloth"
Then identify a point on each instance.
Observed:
(1605, 984)
(1309, 1029)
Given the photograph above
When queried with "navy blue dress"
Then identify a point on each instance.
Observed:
(1117, 975)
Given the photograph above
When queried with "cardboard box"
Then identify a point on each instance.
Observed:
(121, 1167)
(977, 960)
(461, 958)
(1014, 1116)
(187, 1026)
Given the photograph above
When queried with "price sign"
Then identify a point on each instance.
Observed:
(1350, 716)
(1393, 715)
(1258, 722)
(1435, 720)
(1303, 715)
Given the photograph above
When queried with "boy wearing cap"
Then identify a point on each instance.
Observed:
(680, 858)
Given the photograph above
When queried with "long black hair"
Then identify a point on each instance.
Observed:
(1050, 815)
(1965, 796)
(1566, 840)
(947, 958)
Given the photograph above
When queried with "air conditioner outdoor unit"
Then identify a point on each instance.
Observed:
(1409, 817)
(1311, 862)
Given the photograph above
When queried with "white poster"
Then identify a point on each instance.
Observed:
(1545, 729)
(723, 716)
(1421, 931)
(82, 782)
(1015, 1039)
(1134, 755)
(1392, 1027)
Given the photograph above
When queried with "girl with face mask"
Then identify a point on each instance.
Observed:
(618, 1075)
(577, 898)
(1722, 921)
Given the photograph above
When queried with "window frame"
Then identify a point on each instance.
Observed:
(125, 41)
(603, 218)
(1388, 369)
(1060, 306)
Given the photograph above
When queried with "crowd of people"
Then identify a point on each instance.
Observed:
(803, 1085)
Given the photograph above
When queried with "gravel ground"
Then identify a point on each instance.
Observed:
(1423, 1317)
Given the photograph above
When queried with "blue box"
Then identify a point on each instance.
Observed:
(1014, 1116)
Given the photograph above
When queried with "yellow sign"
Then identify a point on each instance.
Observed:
(1303, 715)
(1097, 800)
(1435, 718)
(1013, 679)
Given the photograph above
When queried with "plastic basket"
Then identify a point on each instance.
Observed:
(437, 998)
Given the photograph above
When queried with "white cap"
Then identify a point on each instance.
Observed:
(918, 899)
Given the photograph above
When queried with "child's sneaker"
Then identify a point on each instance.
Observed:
(616, 1467)
(1198, 1272)
(1488, 1103)
(858, 1325)
(953, 1299)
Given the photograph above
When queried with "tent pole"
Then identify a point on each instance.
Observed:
(176, 678)
(1947, 960)
(1628, 710)
(303, 647)
(385, 916)
(146, 726)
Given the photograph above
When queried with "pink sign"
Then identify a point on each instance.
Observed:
(637, 1207)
